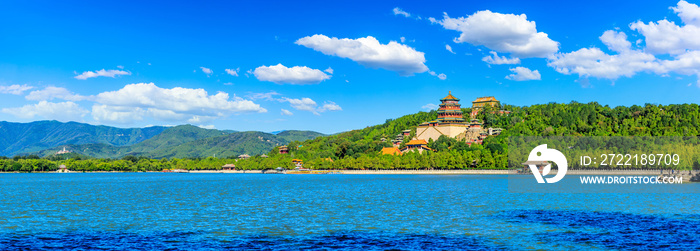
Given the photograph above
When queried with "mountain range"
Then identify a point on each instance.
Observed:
(45, 138)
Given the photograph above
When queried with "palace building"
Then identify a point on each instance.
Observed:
(449, 122)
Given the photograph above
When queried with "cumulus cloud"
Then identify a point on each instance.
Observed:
(449, 48)
(330, 106)
(286, 112)
(63, 111)
(134, 102)
(307, 104)
(681, 43)
(523, 74)
(303, 104)
(368, 52)
(399, 11)
(297, 75)
(616, 41)
(666, 37)
(593, 62)
(233, 72)
(329, 70)
(429, 107)
(206, 70)
(101, 73)
(53, 92)
(495, 59)
(506, 33)
(14, 89)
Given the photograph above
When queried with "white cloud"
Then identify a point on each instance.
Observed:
(616, 41)
(403, 39)
(441, 76)
(681, 43)
(303, 104)
(429, 107)
(399, 11)
(53, 92)
(329, 70)
(14, 89)
(287, 112)
(507, 33)
(307, 104)
(495, 59)
(369, 52)
(593, 62)
(207, 126)
(665, 37)
(264, 96)
(233, 72)
(449, 48)
(196, 106)
(206, 70)
(64, 111)
(120, 67)
(297, 75)
(330, 106)
(101, 73)
(523, 74)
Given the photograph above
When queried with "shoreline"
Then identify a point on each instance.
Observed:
(422, 172)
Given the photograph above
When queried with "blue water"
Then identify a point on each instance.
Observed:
(145, 211)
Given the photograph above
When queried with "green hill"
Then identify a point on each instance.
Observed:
(234, 144)
(16, 138)
(187, 141)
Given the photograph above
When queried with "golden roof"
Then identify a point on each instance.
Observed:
(417, 142)
(449, 96)
(486, 99)
(391, 150)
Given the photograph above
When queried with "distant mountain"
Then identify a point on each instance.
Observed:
(187, 141)
(229, 145)
(16, 138)
(293, 135)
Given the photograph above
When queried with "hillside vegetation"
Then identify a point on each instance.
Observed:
(16, 138)
(359, 149)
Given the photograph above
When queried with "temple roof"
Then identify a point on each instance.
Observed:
(486, 99)
(449, 97)
(417, 142)
(391, 150)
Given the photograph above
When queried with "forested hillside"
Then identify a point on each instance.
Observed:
(18, 138)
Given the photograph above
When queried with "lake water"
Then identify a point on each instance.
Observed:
(255, 211)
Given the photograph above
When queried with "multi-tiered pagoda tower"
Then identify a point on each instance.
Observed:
(449, 122)
(450, 111)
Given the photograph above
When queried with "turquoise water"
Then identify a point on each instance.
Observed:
(255, 211)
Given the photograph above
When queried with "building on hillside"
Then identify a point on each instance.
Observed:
(264, 156)
(399, 138)
(284, 149)
(64, 151)
(481, 102)
(391, 151)
(243, 156)
(298, 164)
(449, 122)
(228, 167)
(416, 145)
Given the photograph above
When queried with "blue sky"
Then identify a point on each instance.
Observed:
(334, 66)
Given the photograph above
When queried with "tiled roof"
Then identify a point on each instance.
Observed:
(417, 142)
(485, 99)
(391, 150)
(450, 97)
